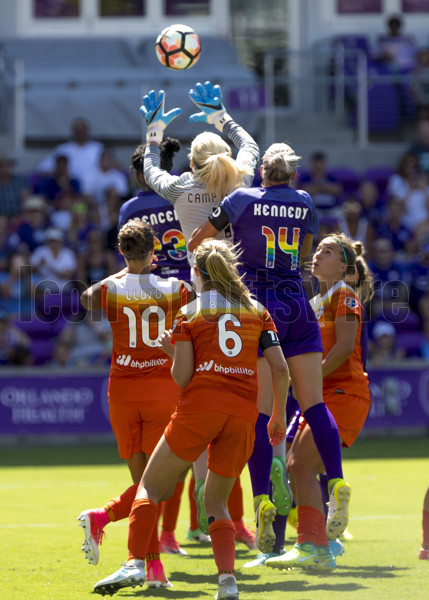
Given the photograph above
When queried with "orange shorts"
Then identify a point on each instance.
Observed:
(350, 413)
(138, 426)
(229, 439)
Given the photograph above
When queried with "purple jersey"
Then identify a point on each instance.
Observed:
(170, 246)
(270, 224)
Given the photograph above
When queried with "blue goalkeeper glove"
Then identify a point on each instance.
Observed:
(208, 99)
(153, 111)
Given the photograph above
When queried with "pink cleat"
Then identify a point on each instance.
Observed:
(243, 534)
(93, 522)
(169, 545)
(155, 576)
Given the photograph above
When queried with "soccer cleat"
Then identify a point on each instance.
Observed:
(336, 547)
(88, 520)
(261, 559)
(129, 575)
(302, 555)
(346, 536)
(169, 545)
(282, 494)
(243, 534)
(424, 554)
(265, 513)
(196, 535)
(338, 513)
(325, 559)
(227, 590)
(155, 576)
(202, 520)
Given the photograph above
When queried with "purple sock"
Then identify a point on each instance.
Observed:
(262, 456)
(279, 526)
(323, 482)
(326, 438)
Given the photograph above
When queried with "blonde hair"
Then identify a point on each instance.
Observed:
(214, 166)
(217, 261)
(352, 254)
(280, 162)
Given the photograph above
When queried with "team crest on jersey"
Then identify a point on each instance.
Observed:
(320, 311)
(350, 302)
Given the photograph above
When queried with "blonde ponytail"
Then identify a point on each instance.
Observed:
(217, 261)
(214, 166)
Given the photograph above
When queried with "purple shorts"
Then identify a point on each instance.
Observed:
(297, 326)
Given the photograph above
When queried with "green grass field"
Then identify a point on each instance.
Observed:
(42, 490)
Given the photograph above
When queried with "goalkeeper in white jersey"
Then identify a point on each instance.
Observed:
(215, 173)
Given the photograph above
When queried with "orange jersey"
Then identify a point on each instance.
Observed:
(342, 300)
(139, 308)
(225, 339)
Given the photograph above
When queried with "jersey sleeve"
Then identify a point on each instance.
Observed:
(166, 185)
(268, 335)
(314, 219)
(248, 149)
(181, 328)
(219, 218)
(187, 293)
(346, 302)
(103, 297)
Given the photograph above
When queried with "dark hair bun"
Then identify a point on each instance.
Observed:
(170, 145)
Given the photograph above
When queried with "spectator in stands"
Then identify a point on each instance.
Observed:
(396, 50)
(419, 273)
(104, 178)
(61, 356)
(83, 154)
(383, 350)
(410, 186)
(371, 201)
(5, 248)
(392, 228)
(95, 260)
(420, 148)
(62, 216)
(30, 233)
(352, 221)
(13, 188)
(60, 182)
(54, 265)
(390, 278)
(14, 343)
(81, 224)
(323, 188)
(89, 341)
(420, 83)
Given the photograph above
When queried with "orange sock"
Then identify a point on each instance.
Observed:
(120, 507)
(171, 508)
(193, 524)
(425, 525)
(143, 520)
(308, 524)
(235, 502)
(322, 536)
(222, 534)
(153, 547)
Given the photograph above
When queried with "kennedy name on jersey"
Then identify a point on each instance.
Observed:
(282, 210)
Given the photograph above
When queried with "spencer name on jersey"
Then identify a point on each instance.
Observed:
(274, 210)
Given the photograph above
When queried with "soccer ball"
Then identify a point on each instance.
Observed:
(178, 47)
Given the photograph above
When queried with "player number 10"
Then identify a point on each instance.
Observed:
(144, 318)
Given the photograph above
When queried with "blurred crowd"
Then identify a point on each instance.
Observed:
(58, 229)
